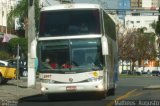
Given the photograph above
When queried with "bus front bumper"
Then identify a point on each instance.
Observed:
(47, 88)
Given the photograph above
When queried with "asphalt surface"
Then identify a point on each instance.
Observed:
(145, 88)
(16, 89)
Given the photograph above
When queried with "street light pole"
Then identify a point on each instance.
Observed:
(31, 37)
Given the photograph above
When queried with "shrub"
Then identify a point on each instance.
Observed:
(4, 55)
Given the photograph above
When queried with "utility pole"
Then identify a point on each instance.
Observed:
(31, 37)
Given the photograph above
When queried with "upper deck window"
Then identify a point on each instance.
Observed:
(69, 22)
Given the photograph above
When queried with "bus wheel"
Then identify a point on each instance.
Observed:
(111, 92)
(104, 95)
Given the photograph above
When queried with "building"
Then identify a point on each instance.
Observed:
(137, 4)
(150, 4)
(123, 5)
(140, 22)
(145, 14)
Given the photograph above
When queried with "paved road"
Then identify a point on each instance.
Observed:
(140, 84)
(14, 90)
(128, 89)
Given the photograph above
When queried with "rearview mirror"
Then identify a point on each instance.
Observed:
(104, 41)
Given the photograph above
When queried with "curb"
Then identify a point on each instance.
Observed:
(152, 87)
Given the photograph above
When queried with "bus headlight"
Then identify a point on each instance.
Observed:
(47, 81)
(43, 89)
(100, 87)
(93, 79)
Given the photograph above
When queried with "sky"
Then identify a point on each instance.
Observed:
(107, 4)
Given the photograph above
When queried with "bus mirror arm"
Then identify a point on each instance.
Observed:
(33, 49)
(105, 50)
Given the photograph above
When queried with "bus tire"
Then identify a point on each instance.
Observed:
(104, 95)
(111, 92)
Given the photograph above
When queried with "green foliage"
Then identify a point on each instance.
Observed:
(4, 55)
(137, 45)
(37, 14)
(21, 11)
(158, 27)
(153, 25)
(23, 43)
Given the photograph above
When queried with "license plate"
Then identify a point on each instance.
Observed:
(71, 88)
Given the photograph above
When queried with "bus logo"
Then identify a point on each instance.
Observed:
(70, 79)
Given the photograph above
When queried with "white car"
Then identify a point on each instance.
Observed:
(3, 63)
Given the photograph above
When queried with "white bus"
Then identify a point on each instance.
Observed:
(77, 49)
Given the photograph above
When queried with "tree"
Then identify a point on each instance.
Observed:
(157, 29)
(136, 46)
(4, 55)
(145, 46)
(23, 43)
(21, 11)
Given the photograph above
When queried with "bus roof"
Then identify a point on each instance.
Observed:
(71, 6)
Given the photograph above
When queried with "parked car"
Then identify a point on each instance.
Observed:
(138, 73)
(6, 72)
(124, 71)
(155, 73)
(3, 63)
(144, 73)
(23, 68)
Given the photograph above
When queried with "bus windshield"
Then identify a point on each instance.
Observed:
(77, 55)
(69, 22)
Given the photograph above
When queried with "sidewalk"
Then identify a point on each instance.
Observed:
(152, 87)
(15, 90)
